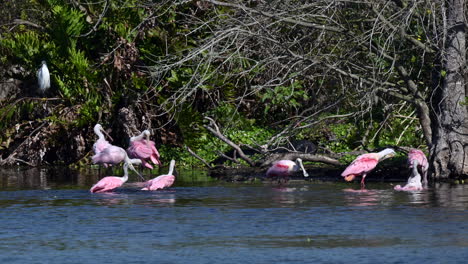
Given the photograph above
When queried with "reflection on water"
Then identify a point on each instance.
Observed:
(365, 197)
(49, 214)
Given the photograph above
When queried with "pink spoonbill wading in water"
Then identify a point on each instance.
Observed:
(284, 168)
(110, 183)
(365, 163)
(420, 157)
(162, 181)
(414, 181)
(141, 147)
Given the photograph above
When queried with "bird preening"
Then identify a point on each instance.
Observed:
(141, 147)
(416, 161)
(141, 151)
(365, 163)
(414, 181)
(417, 158)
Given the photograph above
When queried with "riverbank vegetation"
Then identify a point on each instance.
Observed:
(235, 81)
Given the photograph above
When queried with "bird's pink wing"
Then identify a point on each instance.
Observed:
(416, 154)
(100, 145)
(140, 150)
(278, 169)
(361, 164)
(155, 155)
(153, 147)
(161, 182)
(112, 155)
(144, 150)
(106, 184)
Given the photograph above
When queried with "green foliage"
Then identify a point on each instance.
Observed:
(347, 159)
(68, 25)
(289, 97)
(95, 64)
(345, 136)
(26, 46)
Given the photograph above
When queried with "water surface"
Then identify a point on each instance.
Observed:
(49, 216)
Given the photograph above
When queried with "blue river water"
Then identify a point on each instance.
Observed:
(52, 218)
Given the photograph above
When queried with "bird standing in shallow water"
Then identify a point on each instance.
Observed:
(364, 163)
(284, 168)
(414, 181)
(43, 78)
(144, 149)
(113, 155)
(420, 157)
(162, 181)
(110, 183)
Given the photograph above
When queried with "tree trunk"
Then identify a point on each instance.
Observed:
(449, 153)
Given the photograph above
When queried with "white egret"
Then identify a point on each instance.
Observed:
(43, 78)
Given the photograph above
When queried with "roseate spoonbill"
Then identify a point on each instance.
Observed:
(43, 77)
(418, 155)
(161, 182)
(109, 183)
(414, 181)
(364, 163)
(144, 149)
(284, 168)
(101, 143)
(113, 155)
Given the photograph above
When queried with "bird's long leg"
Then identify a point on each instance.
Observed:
(425, 183)
(363, 185)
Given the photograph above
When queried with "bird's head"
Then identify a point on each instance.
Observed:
(299, 162)
(386, 153)
(98, 128)
(147, 134)
(43, 62)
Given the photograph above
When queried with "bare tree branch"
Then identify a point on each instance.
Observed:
(214, 129)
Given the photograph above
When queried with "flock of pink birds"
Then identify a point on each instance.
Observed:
(142, 151)
(361, 166)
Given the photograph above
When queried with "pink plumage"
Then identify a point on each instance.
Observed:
(361, 165)
(414, 181)
(409, 187)
(162, 181)
(420, 157)
(110, 156)
(365, 163)
(416, 154)
(106, 184)
(281, 168)
(110, 183)
(101, 143)
(144, 149)
(284, 168)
